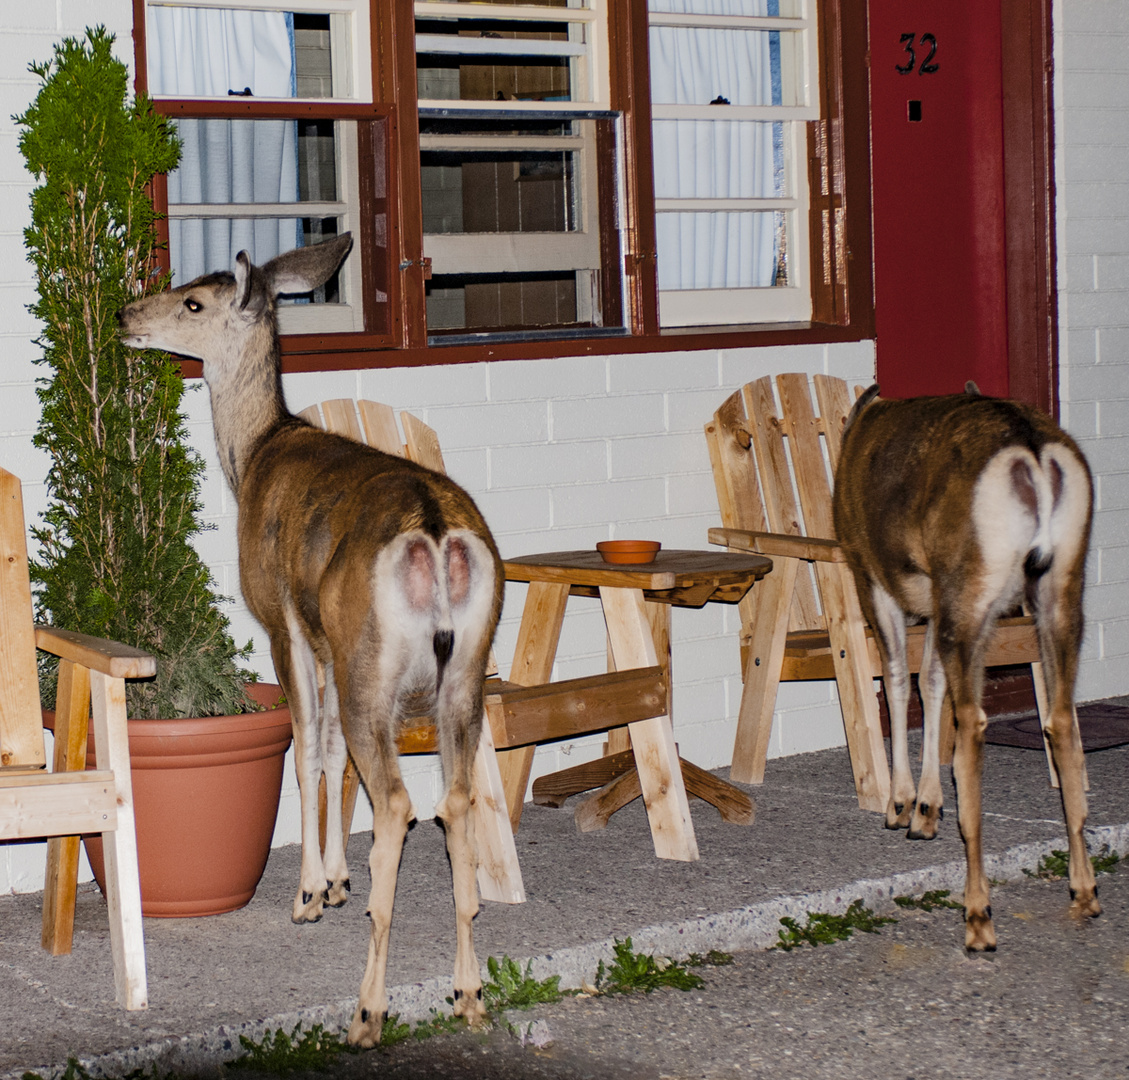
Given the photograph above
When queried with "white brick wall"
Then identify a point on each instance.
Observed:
(1091, 47)
(28, 32)
(562, 453)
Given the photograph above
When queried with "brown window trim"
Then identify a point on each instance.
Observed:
(839, 175)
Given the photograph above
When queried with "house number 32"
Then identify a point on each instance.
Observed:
(926, 41)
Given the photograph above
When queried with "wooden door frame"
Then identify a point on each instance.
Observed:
(1029, 195)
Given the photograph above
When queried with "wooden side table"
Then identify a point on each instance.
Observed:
(636, 600)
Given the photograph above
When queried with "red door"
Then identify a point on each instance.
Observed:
(938, 188)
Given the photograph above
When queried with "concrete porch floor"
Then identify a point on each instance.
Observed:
(810, 848)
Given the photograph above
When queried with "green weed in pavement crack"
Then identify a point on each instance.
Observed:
(928, 901)
(823, 929)
(300, 1051)
(1056, 865)
(631, 972)
(509, 987)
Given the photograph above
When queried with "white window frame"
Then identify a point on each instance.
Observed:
(352, 70)
(579, 249)
(779, 303)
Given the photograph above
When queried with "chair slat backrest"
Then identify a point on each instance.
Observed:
(21, 721)
(773, 465)
(734, 469)
(808, 462)
(770, 448)
(378, 422)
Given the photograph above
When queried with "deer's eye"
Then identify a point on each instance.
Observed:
(193, 305)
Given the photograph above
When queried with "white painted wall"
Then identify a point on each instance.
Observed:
(1091, 51)
(562, 453)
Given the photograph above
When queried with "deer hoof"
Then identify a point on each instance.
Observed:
(898, 814)
(469, 1005)
(1086, 907)
(308, 907)
(979, 933)
(925, 822)
(337, 892)
(366, 1027)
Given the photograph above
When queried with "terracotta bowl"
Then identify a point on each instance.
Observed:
(621, 552)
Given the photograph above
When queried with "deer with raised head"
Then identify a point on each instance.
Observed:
(954, 510)
(373, 571)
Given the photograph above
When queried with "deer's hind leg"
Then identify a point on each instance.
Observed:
(375, 754)
(297, 669)
(889, 621)
(459, 714)
(961, 653)
(334, 755)
(929, 809)
(1056, 598)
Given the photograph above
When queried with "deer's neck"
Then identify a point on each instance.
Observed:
(247, 404)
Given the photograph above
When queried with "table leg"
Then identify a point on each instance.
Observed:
(656, 756)
(536, 648)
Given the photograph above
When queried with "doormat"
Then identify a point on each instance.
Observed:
(1102, 726)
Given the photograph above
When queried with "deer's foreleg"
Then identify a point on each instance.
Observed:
(297, 667)
(889, 621)
(392, 812)
(928, 812)
(334, 754)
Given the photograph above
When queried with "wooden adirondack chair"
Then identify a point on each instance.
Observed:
(61, 804)
(773, 467)
(521, 712)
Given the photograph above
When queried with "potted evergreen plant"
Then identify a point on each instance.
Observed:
(115, 553)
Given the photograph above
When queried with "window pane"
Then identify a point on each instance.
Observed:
(486, 302)
(200, 246)
(721, 250)
(501, 192)
(529, 3)
(255, 161)
(241, 163)
(218, 52)
(719, 160)
(514, 209)
(497, 60)
(739, 8)
(707, 66)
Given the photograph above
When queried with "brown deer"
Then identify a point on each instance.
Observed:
(954, 509)
(377, 573)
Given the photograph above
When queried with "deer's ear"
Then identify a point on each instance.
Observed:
(305, 268)
(243, 289)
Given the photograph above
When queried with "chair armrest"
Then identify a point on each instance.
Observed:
(109, 657)
(779, 545)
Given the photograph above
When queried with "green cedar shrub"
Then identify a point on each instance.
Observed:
(115, 552)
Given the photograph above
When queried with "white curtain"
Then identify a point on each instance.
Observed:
(719, 159)
(201, 52)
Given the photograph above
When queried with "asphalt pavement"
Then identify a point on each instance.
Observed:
(903, 1002)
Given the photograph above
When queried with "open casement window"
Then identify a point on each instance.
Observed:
(519, 167)
(273, 108)
(733, 85)
(525, 177)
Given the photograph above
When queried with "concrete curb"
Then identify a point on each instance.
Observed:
(744, 929)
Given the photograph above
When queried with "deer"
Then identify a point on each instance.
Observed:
(955, 509)
(372, 575)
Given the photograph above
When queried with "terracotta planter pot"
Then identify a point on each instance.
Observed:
(206, 796)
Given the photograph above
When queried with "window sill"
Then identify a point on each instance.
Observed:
(349, 352)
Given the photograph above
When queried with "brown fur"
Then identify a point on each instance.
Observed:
(953, 510)
(370, 573)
